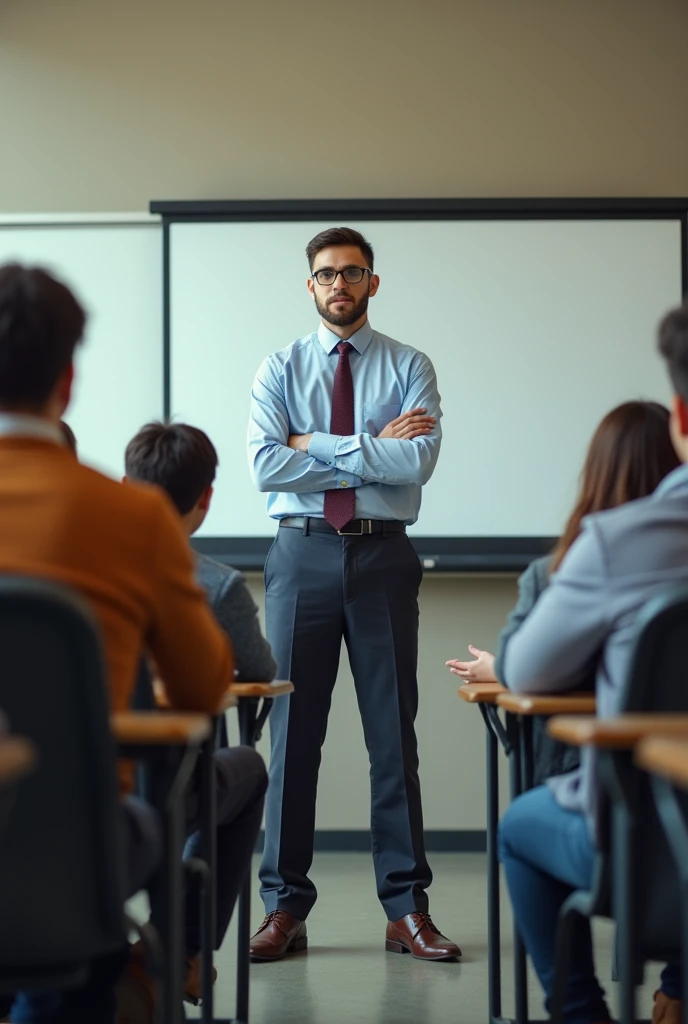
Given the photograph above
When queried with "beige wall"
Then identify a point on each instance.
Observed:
(105, 104)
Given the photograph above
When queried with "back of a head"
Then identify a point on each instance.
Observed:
(673, 345)
(177, 457)
(41, 323)
(629, 455)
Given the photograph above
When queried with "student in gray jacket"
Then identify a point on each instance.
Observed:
(629, 454)
(623, 558)
(182, 461)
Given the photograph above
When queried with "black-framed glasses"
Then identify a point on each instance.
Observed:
(352, 274)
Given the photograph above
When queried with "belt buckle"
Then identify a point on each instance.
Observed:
(360, 532)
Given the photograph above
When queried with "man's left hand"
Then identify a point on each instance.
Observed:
(299, 442)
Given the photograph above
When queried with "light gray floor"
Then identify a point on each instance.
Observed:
(346, 976)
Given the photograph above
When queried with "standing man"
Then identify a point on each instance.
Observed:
(344, 432)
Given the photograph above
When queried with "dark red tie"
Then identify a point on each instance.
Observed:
(340, 502)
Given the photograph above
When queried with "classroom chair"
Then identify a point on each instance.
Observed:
(512, 731)
(636, 879)
(61, 901)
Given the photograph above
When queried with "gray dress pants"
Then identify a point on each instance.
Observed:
(321, 587)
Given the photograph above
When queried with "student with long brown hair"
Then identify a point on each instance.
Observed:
(629, 454)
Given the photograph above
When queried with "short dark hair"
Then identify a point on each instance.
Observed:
(68, 435)
(339, 236)
(673, 344)
(41, 323)
(177, 457)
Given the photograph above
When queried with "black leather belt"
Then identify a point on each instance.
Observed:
(356, 528)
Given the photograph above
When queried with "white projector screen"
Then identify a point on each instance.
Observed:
(115, 268)
(536, 329)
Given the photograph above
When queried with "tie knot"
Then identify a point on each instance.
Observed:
(344, 347)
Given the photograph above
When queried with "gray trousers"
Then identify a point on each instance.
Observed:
(241, 784)
(321, 587)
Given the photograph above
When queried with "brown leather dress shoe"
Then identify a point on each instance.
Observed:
(279, 934)
(666, 1010)
(416, 934)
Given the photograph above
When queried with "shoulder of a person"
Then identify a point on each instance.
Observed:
(133, 496)
(536, 576)
(147, 505)
(385, 341)
(416, 360)
(218, 575)
(617, 523)
(640, 533)
(275, 362)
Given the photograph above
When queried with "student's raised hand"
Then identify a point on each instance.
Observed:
(409, 425)
(479, 671)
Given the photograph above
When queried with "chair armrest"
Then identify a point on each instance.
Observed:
(277, 688)
(18, 758)
(481, 693)
(621, 733)
(548, 703)
(227, 700)
(665, 757)
(159, 728)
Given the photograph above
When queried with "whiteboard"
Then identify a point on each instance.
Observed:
(536, 329)
(115, 269)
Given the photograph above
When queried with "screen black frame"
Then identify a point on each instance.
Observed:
(438, 554)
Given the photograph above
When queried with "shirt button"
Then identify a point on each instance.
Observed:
(343, 484)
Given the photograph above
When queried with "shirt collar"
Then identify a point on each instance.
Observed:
(20, 425)
(676, 480)
(360, 340)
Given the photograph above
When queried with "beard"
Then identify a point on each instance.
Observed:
(347, 316)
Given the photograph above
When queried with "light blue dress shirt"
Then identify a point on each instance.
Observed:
(292, 394)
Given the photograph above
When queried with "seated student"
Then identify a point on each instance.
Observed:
(629, 454)
(183, 462)
(123, 549)
(622, 559)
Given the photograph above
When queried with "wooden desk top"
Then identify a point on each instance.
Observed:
(163, 728)
(228, 700)
(18, 758)
(548, 703)
(621, 733)
(665, 757)
(277, 688)
(480, 693)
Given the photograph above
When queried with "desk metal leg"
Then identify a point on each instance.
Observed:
(676, 830)
(623, 896)
(516, 780)
(248, 718)
(209, 855)
(494, 966)
(167, 888)
(525, 725)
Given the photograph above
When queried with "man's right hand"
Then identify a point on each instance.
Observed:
(410, 424)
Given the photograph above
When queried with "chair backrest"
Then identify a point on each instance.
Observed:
(657, 682)
(61, 893)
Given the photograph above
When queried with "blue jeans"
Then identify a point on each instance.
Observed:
(93, 1003)
(547, 853)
